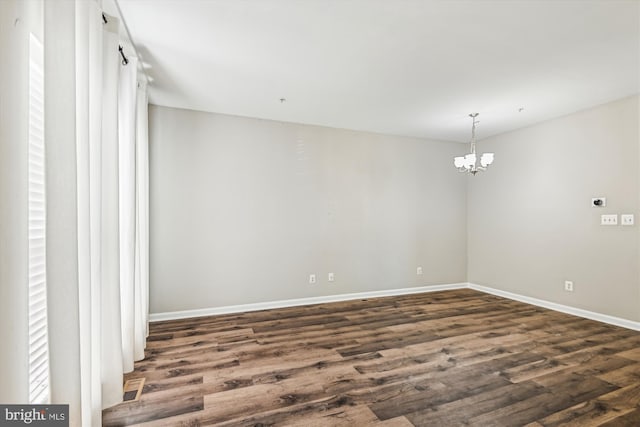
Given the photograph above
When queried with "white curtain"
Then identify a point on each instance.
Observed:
(141, 315)
(134, 190)
(111, 201)
(89, 46)
(127, 92)
(108, 226)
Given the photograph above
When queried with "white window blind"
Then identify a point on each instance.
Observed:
(38, 340)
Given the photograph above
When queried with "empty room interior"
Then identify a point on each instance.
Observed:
(320, 213)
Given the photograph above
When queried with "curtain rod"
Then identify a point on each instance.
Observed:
(135, 50)
(125, 60)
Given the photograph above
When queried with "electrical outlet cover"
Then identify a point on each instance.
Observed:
(627, 219)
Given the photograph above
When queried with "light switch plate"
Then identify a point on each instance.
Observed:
(627, 219)
(609, 219)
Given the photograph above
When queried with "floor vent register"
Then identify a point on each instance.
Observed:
(133, 389)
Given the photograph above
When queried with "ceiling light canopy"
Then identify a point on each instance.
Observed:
(469, 162)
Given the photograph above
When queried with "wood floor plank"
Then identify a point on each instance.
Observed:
(624, 376)
(629, 419)
(419, 400)
(461, 411)
(633, 354)
(169, 384)
(144, 410)
(396, 422)
(340, 417)
(604, 408)
(557, 397)
(435, 359)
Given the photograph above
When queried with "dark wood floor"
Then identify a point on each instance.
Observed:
(436, 359)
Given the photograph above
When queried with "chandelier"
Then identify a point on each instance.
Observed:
(469, 163)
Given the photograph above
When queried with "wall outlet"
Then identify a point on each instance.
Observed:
(610, 219)
(598, 202)
(312, 278)
(568, 286)
(626, 219)
(419, 271)
(331, 277)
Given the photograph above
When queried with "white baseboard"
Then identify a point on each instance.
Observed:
(173, 315)
(612, 320)
(184, 314)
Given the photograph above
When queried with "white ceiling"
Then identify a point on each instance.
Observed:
(404, 67)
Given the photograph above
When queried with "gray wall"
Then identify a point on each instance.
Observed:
(242, 210)
(530, 223)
